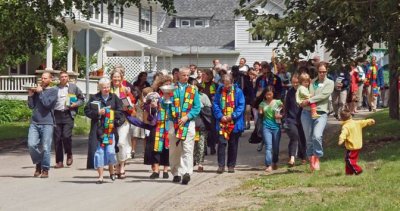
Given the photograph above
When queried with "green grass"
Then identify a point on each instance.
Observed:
(377, 188)
(18, 130)
(14, 130)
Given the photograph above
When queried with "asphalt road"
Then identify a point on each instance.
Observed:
(74, 188)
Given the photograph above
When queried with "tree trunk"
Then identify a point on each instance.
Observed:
(393, 76)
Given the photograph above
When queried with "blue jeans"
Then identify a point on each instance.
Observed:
(313, 131)
(272, 138)
(40, 135)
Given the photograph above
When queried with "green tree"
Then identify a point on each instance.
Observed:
(24, 24)
(343, 26)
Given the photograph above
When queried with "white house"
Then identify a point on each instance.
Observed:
(128, 38)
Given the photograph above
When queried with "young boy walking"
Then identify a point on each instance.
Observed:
(351, 135)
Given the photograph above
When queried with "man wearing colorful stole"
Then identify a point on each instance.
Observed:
(182, 112)
(70, 97)
(373, 81)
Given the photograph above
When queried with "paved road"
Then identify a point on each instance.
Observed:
(74, 188)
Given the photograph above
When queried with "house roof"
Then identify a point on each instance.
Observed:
(219, 35)
(138, 39)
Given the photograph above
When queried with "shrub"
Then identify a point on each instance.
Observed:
(14, 111)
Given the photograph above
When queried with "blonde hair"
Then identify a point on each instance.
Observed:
(146, 91)
(304, 77)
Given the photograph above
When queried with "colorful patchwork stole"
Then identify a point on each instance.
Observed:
(371, 79)
(178, 110)
(227, 106)
(161, 137)
(108, 125)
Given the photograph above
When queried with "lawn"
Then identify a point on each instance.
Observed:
(377, 188)
(18, 130)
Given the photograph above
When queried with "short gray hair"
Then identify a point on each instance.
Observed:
(103, 81)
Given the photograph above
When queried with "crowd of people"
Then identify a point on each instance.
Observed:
(205, 112)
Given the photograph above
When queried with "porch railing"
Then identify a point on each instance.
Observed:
(13, 83)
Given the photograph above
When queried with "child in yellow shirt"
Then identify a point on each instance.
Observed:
(351, 136)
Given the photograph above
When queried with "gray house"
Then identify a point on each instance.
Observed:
(203, 30)
(200, 31)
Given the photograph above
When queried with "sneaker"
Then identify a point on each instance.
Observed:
(291, 162)
(45, 174)
(165, 175)
(316, 163)
(176, 179)
(154, 175)
(59, 165)
(38, 170)
(231, 169)
(185, 179)
(113, 177)
(220, 170)
(268, 169)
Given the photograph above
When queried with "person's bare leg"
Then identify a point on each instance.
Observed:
(100, 171)
(133, 144)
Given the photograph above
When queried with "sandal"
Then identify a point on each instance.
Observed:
(121, 175)
(100, 181)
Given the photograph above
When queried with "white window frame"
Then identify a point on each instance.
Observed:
(145, 20)
(184, 20)
(18, 67)
(95, 13)
(116, 21)
(255, 40)
(203, 23)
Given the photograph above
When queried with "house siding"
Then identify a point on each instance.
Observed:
(251, 50)
(130, 21)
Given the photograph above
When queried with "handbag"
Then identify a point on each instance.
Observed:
(257, 134)
(207, 117)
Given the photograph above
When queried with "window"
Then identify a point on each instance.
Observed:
(256, 37)
(198, 23)
(145, 20)
(95, 14)
(114, 17)
(20, 69)
(185, 23)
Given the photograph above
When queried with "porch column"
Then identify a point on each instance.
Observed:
(100, 55)
(49, 51)
(154, 65)
(170, 63)
(163, 61)
(70, 57)
(142, 61)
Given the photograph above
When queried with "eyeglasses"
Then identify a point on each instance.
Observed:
(322, 72)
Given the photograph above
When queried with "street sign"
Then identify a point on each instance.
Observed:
(94, 42)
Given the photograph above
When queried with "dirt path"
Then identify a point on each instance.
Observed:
(74, 188)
